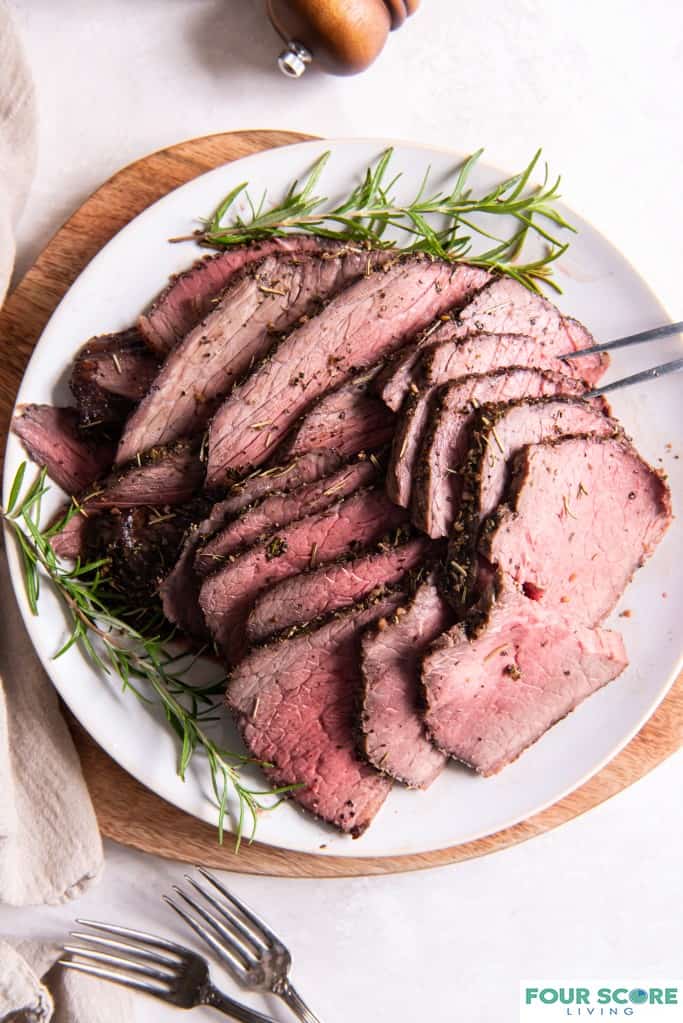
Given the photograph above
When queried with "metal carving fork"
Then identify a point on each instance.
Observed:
(242, 941)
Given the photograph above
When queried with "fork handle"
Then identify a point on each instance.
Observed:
(232, 1009)
(291, 996)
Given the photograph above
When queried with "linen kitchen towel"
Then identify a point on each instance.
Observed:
(50, 847)
(17, 139)
(35, 990)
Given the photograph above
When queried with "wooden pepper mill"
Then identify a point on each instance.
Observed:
(343, 36)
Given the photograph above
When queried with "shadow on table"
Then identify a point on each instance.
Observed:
(230, 36)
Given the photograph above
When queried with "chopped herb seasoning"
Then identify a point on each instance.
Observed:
(276, 548)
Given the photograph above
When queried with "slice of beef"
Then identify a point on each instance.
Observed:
(321, 591)
(180, 589)
(168, 475)
(265, 299)
(278, 510)
(581, 515)
(395, 380)
(294, 701)
(346, 420)
(71, 541)
(503, 308)
(449, 355)
(394, 738)
(485, 353)
(358, 328)
(507, 307)
(281, 477)
(189, 296)
(496, 434)
(143, 544)
(110, 375)
(491, 695)
(73, 457)
(431, 442)
(227, 596)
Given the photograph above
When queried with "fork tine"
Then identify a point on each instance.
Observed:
(120, 978)
(232, 961)
(123, 946)
(228, 914)
(143, 936)
(158, 972)
(223, 932)
(248, 913)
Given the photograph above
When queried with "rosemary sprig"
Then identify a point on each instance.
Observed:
(444, 223)
(100, 626)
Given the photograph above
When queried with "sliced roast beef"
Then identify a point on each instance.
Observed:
(168, 475)
(501, 430)
(71, 541)
(491, 695)
(264, 299)
(278, 510)
(73, 457)
(432, 438)
(346, 420)
(358, 328)
(394, 738)
(401, 371)
(496, 434)
(507, 307)
(294, 701)
(485, 353)
(281, 477)
(110, 375)
(180, 589)
(189, 296)
(581, 515)
(143, 544)
(320, 591)
(227, 596)
(449, 356)
(503, 308)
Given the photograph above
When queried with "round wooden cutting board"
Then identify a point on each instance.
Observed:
(126, 810)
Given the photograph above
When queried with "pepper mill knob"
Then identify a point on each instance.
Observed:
(294, 60)
(343, 36)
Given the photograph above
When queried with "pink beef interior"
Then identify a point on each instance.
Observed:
(358, 328)
(435, 500)
(584, 514)
(295, 702)
(394, 736)
(278, 510)
(491, 697)
(227, 596)
(530, 423)
(326, 589)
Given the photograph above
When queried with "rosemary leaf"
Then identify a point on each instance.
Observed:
(371, 208)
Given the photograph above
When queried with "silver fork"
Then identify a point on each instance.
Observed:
(245, 944)
(155, 966)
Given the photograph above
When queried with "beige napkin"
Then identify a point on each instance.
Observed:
(35, 990)
(17, 139)
(50, 847)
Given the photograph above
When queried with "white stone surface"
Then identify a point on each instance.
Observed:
(599, 86)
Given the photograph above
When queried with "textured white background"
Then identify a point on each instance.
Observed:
(598, 84)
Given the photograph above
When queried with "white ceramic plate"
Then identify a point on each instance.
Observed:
(602, 290)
